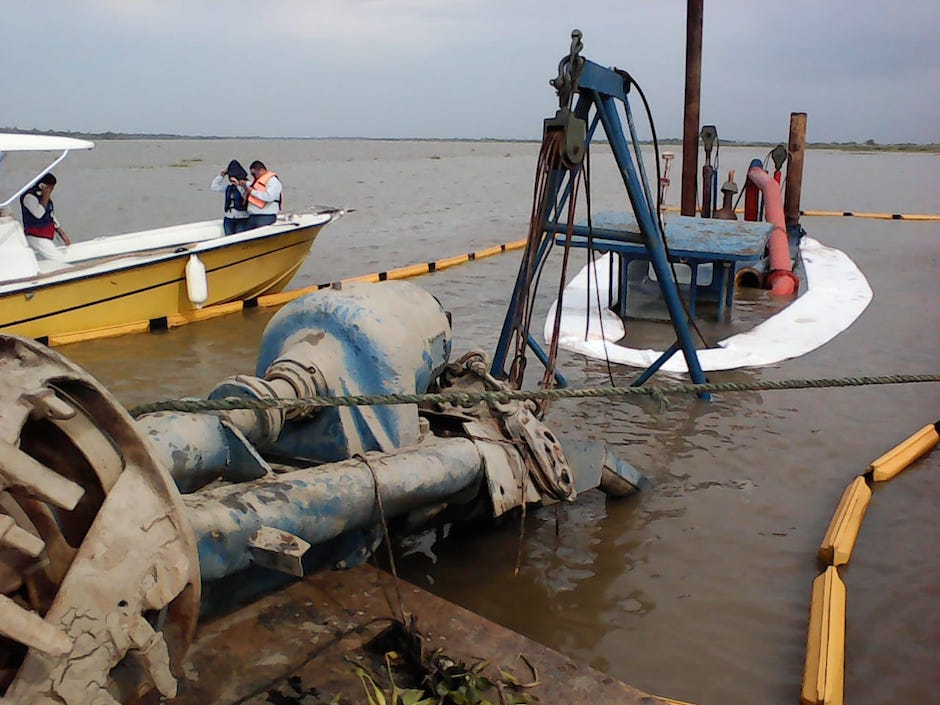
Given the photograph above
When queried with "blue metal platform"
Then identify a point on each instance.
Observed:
(691, 241)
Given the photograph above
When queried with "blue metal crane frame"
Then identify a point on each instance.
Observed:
(599, 88)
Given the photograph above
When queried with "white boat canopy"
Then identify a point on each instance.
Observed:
(10, 142)
(40, 143)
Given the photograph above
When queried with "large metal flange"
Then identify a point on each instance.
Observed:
(98, 565)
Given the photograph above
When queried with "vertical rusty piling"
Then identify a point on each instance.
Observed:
(796, 147)
(693, 90)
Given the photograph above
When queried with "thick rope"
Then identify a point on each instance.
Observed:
(388, 539)
(502, 396)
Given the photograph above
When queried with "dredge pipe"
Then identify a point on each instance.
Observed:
(751, 277)
(751, 195)
(781, 280)
(321, 503)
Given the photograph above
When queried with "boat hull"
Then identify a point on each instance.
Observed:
(148, 289)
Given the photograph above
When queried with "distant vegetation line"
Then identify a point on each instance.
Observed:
(867, 146)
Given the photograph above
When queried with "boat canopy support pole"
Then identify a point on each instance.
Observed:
(29, 184)
(600, 88)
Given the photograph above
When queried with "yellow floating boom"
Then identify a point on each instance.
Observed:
(278, 299)
(99, 333)
(905, 453)
(840, 537)
(824, 672)
(175, 320)
(406, 272)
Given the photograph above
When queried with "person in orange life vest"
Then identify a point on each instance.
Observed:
(39, 221)
(263, 195)
(236, 207)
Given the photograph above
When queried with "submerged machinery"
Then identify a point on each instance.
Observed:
(115, 532)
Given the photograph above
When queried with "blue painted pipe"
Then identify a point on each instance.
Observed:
(319, 505)
(199, 448)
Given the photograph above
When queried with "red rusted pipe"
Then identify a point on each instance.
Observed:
(781, 279)
(751, 201)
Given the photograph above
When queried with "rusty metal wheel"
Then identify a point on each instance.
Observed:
(99, 576)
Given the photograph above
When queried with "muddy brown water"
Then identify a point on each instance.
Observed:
(698, 588)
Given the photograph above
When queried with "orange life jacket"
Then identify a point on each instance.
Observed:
(260, 183)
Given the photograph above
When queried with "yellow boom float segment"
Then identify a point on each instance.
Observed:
(905, 453)
(840, 537)
(824, 673)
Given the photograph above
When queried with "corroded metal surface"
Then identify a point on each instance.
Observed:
(320, 504)
(98, 565)
(302, 645)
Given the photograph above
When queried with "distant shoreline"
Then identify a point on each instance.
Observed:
(870, 146)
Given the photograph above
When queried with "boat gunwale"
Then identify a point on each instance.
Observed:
(174, 281)
(92, 267)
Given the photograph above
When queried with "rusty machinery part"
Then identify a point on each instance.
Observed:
(97, 562)
(779, 156)
(260, 426)
(284, 379)
(542, 461)
(569, 70)
(573, 128)
(709, 135)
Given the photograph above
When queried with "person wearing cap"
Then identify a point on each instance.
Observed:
(232, 180)
(39, 221)
(263, 194)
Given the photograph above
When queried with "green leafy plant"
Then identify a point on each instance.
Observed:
(443, 680)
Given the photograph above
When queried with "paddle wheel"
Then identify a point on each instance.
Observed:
(99, 569)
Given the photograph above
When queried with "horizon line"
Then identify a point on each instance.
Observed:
(112, 135)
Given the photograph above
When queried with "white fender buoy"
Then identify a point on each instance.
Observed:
(197, 285)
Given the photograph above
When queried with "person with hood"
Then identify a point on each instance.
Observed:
(231, 180)
(39, 221)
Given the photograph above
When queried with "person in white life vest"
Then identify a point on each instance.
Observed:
(39, 221)
(263, 195)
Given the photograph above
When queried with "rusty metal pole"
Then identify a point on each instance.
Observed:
(797, 144)
(693, 90)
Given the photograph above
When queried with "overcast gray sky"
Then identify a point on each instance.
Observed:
(461, 68)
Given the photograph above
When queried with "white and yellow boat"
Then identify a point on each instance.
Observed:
(123, 283)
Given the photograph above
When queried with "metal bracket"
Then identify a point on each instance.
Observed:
(709, 134)
(569, 72)
(575, 131)
(566, 85)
